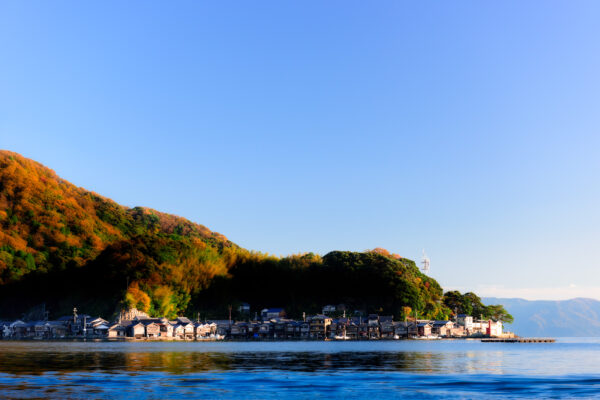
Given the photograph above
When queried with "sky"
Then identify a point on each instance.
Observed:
(468, 129)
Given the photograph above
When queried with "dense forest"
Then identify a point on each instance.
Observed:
(62, 246)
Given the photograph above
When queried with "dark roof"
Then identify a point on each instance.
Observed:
(56, 323)
(276, 309)
(79, 317)
(404, 324)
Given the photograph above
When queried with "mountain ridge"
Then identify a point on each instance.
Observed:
(577, 317)
(63, 246)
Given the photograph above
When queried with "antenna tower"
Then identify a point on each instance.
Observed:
(425, 262)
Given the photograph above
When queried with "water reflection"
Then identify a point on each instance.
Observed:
(297, 370)
(183, 362)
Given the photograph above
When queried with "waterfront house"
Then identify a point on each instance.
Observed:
(304, 329)
(205, 330)
(239, 330)
(18, 329)
(178, 330)
(352, 330)
(441, 328)
(5, 331)
(184, 328)
(424, 328)
(223, 327)
(465, 321)
(457, 331)
(202, 330)
(98, 327)
(189, 331)
(373, 327)
(93, 323)
(494, 329)
(279, 328)
(165, 328)
(136, 330)
(292, 329)
(318, 326)
(363, 330)
(343, 327)
(386, 327)
(57, 329)
(405, 329)
(39, 329)
(253, 328)
(116, 331)
(265, 329)
(152, 328)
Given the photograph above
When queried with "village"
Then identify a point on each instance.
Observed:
(272, 324)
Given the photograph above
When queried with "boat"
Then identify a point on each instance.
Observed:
(428, 337)
(341, 337)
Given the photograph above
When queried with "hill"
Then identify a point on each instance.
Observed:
(578, 317)
(63, 246)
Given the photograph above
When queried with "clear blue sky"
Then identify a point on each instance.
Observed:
(470, 129)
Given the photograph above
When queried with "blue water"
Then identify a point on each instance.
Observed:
(466, 369)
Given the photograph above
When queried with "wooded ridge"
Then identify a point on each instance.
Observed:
(63, 246)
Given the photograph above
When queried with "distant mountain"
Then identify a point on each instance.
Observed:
(576, 317)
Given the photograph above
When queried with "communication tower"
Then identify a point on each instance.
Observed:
(425, 262)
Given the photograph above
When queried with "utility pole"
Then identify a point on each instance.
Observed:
(230, 316)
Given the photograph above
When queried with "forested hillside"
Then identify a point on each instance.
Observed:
(63, 246)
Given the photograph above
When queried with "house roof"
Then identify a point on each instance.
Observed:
(56, 323)
(404, 324)
(441, 323)
(273, 310)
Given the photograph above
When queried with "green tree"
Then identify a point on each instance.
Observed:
(497, 312)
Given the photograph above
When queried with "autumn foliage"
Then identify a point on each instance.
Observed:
(65, 246)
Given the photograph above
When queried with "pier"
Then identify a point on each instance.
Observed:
(519, 340)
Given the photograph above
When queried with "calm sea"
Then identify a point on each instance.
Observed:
(468, 369)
